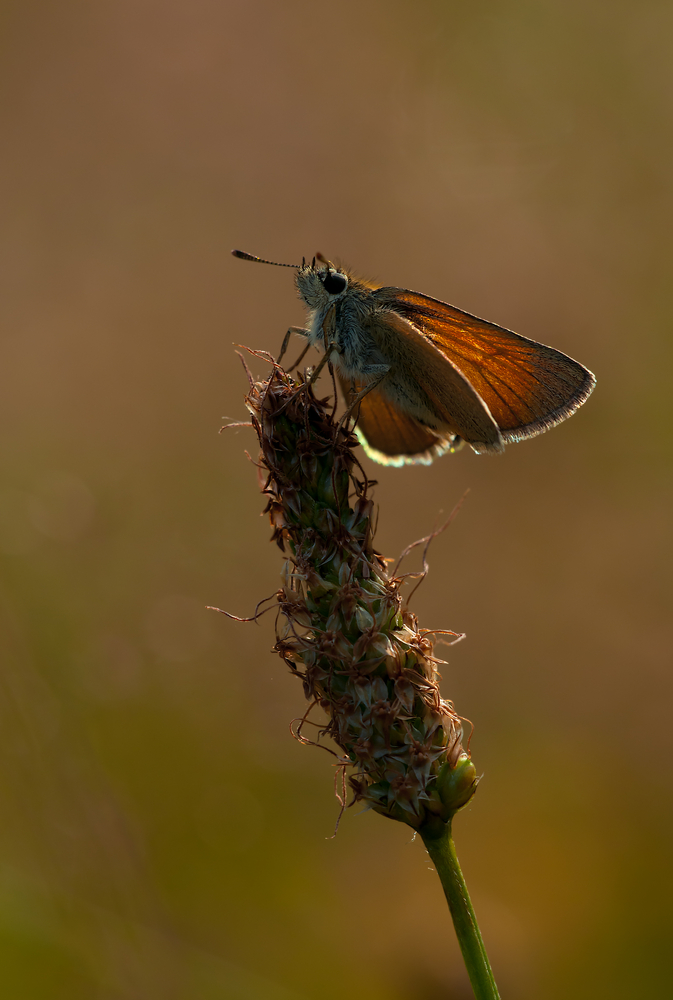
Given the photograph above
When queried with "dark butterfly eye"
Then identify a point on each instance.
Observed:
(334, 282)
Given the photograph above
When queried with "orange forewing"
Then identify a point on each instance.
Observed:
(527, 387)
(444, 398)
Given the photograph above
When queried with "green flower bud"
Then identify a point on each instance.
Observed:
(456, 784)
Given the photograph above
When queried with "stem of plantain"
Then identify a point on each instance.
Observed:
(440, 847)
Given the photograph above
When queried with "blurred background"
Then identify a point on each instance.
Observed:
(161, 833)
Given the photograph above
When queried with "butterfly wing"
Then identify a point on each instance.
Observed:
(390, 436)
(526, 386)
(423, 387)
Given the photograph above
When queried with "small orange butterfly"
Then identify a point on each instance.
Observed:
(426, 376)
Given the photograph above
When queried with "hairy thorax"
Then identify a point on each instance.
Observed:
(342, 320)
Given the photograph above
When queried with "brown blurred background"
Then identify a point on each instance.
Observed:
(161, 834)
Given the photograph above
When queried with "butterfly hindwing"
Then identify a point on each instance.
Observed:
(389, 435)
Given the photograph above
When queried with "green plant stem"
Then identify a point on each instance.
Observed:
(439, 844)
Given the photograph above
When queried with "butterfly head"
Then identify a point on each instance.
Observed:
(320, 286)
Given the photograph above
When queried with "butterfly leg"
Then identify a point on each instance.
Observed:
(378, 373)
(332, 346)
(286, 341)
(300, 358)
(308, 382)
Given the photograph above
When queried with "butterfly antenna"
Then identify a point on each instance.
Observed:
(323, 260)
(242, 255)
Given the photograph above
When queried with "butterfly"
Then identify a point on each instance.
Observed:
(423, 377)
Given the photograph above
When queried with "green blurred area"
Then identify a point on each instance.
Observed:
(162, 834)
